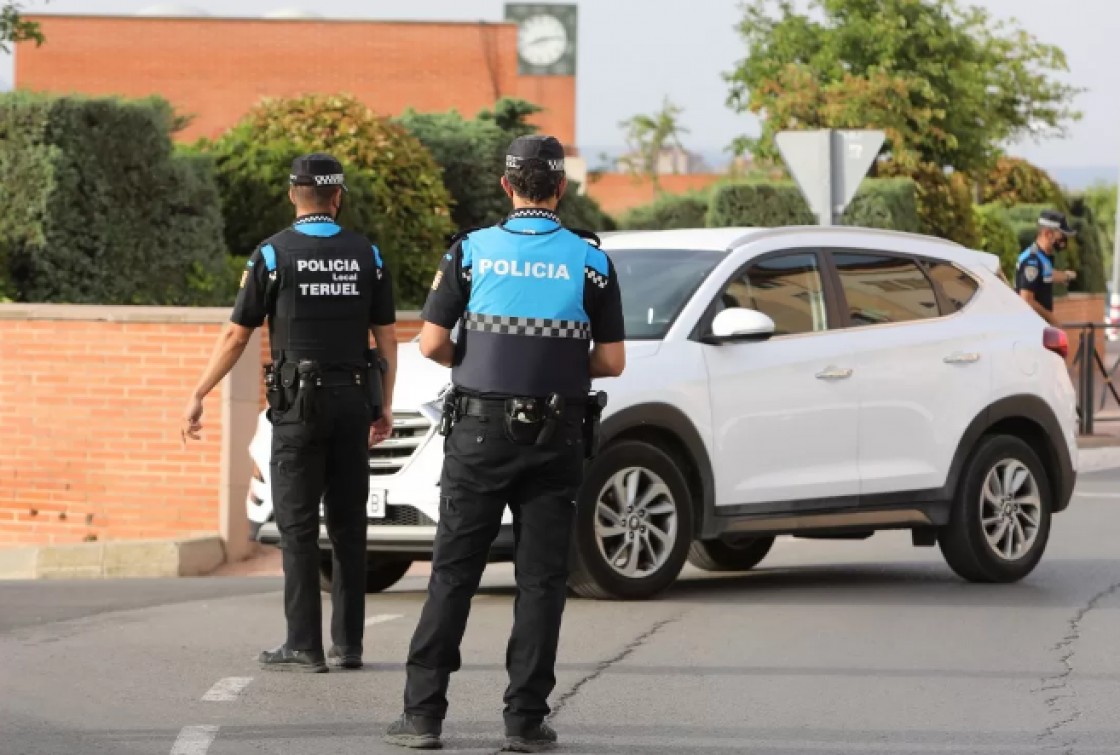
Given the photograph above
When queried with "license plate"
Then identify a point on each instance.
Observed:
(375, 505)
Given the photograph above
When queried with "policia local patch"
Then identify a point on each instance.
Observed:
(337, 277)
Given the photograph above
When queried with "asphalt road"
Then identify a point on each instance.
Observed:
(850, 647)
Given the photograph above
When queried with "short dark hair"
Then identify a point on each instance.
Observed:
(534, 180)
(316, 196)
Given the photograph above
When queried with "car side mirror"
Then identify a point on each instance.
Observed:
(739, 324)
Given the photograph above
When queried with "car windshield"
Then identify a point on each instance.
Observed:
(656, 284)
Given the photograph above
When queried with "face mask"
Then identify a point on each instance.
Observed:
(1060, 244)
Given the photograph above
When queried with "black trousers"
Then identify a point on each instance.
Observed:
(325, 458)
(484, 470)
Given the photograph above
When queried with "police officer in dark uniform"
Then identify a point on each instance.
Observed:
(1035, 275)
(530, 297)
(323, 289)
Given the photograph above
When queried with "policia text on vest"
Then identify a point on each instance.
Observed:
(540, 315)
(323, 290)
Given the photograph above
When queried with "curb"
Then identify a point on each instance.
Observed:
(144, 558)
(1098, 459)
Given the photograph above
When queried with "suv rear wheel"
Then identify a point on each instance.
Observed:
(633, 524)
(731, 554)
(1001, 518)
(381, 574)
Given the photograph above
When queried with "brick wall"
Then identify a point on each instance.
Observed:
(89, 419)
(618, 192)
(1080, 308)
(215, 69)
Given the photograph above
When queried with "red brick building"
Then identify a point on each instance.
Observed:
(215, 69)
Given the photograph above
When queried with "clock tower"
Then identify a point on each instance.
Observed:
(546, 38)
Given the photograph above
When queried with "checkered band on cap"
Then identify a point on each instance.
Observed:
(539, 327)
(512, 161)
(332, 180)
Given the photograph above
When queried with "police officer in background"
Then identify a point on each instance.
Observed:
(323, 289)
(530, 296)
(1035, 275)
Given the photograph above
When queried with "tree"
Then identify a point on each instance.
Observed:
(950, 84)
(647, 136)
(14, 28)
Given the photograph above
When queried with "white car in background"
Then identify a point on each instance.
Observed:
(814, 382)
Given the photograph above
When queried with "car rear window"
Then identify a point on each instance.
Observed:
(958, 286)
(881, 289)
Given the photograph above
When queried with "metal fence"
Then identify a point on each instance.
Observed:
(1090, 364)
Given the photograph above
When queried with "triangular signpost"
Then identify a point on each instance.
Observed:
(829, 165)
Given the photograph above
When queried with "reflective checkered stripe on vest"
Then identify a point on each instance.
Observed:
(526, 332)
(324, 284)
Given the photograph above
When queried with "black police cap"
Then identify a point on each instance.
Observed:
(545, 148)
(317, 169)
(1056, 221)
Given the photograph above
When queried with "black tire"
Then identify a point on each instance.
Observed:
(740, 554)
(963, 541)
(592, 576)
(381, 574)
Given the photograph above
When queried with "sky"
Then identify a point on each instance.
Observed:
(635, 53)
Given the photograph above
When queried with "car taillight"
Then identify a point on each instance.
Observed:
(1056, 340)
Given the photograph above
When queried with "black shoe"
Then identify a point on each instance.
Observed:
(416, 732)
(535, 738)
(283, 659)
(344, 657)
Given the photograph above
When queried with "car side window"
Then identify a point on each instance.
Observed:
(958, 286)
(882, 288)
(788, 288)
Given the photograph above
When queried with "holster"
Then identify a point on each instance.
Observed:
(596, 402)
(376, 367)
(274, 394)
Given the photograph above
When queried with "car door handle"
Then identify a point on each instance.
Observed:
(834, 373)
(960, 357)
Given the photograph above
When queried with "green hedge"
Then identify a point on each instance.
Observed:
(879, 203)
(96, 206)
(998, 235)
(668, 211)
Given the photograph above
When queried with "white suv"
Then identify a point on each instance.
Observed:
(815, 382)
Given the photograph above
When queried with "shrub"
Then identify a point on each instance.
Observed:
(472, 155)
(878, 204)
(944, 201)
(1013, 181)
(581, 211)
(98, 208)
(758, 204)
(668, 211)
(998, 236)
(396, 196)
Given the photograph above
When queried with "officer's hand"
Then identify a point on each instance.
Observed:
(381, 429)
(191, 423)
(1071, 275)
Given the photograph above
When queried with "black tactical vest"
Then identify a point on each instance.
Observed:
(322, 289)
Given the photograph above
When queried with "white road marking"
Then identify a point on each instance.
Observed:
(1096, 495)
(381, 618)
(227, 689)
(195, 740)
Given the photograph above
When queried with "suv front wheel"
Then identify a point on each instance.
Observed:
(633, 524)
(1001, 518)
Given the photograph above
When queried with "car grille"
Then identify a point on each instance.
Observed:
(390, 455)
(403, 516)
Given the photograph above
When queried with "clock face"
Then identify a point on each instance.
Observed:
(543, 40)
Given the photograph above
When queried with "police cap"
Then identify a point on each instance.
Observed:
(317, 169)
(545, 148)
(1055, 220)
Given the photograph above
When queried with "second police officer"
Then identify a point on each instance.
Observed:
(323, 289)
(530, 298)
(1035, 275)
